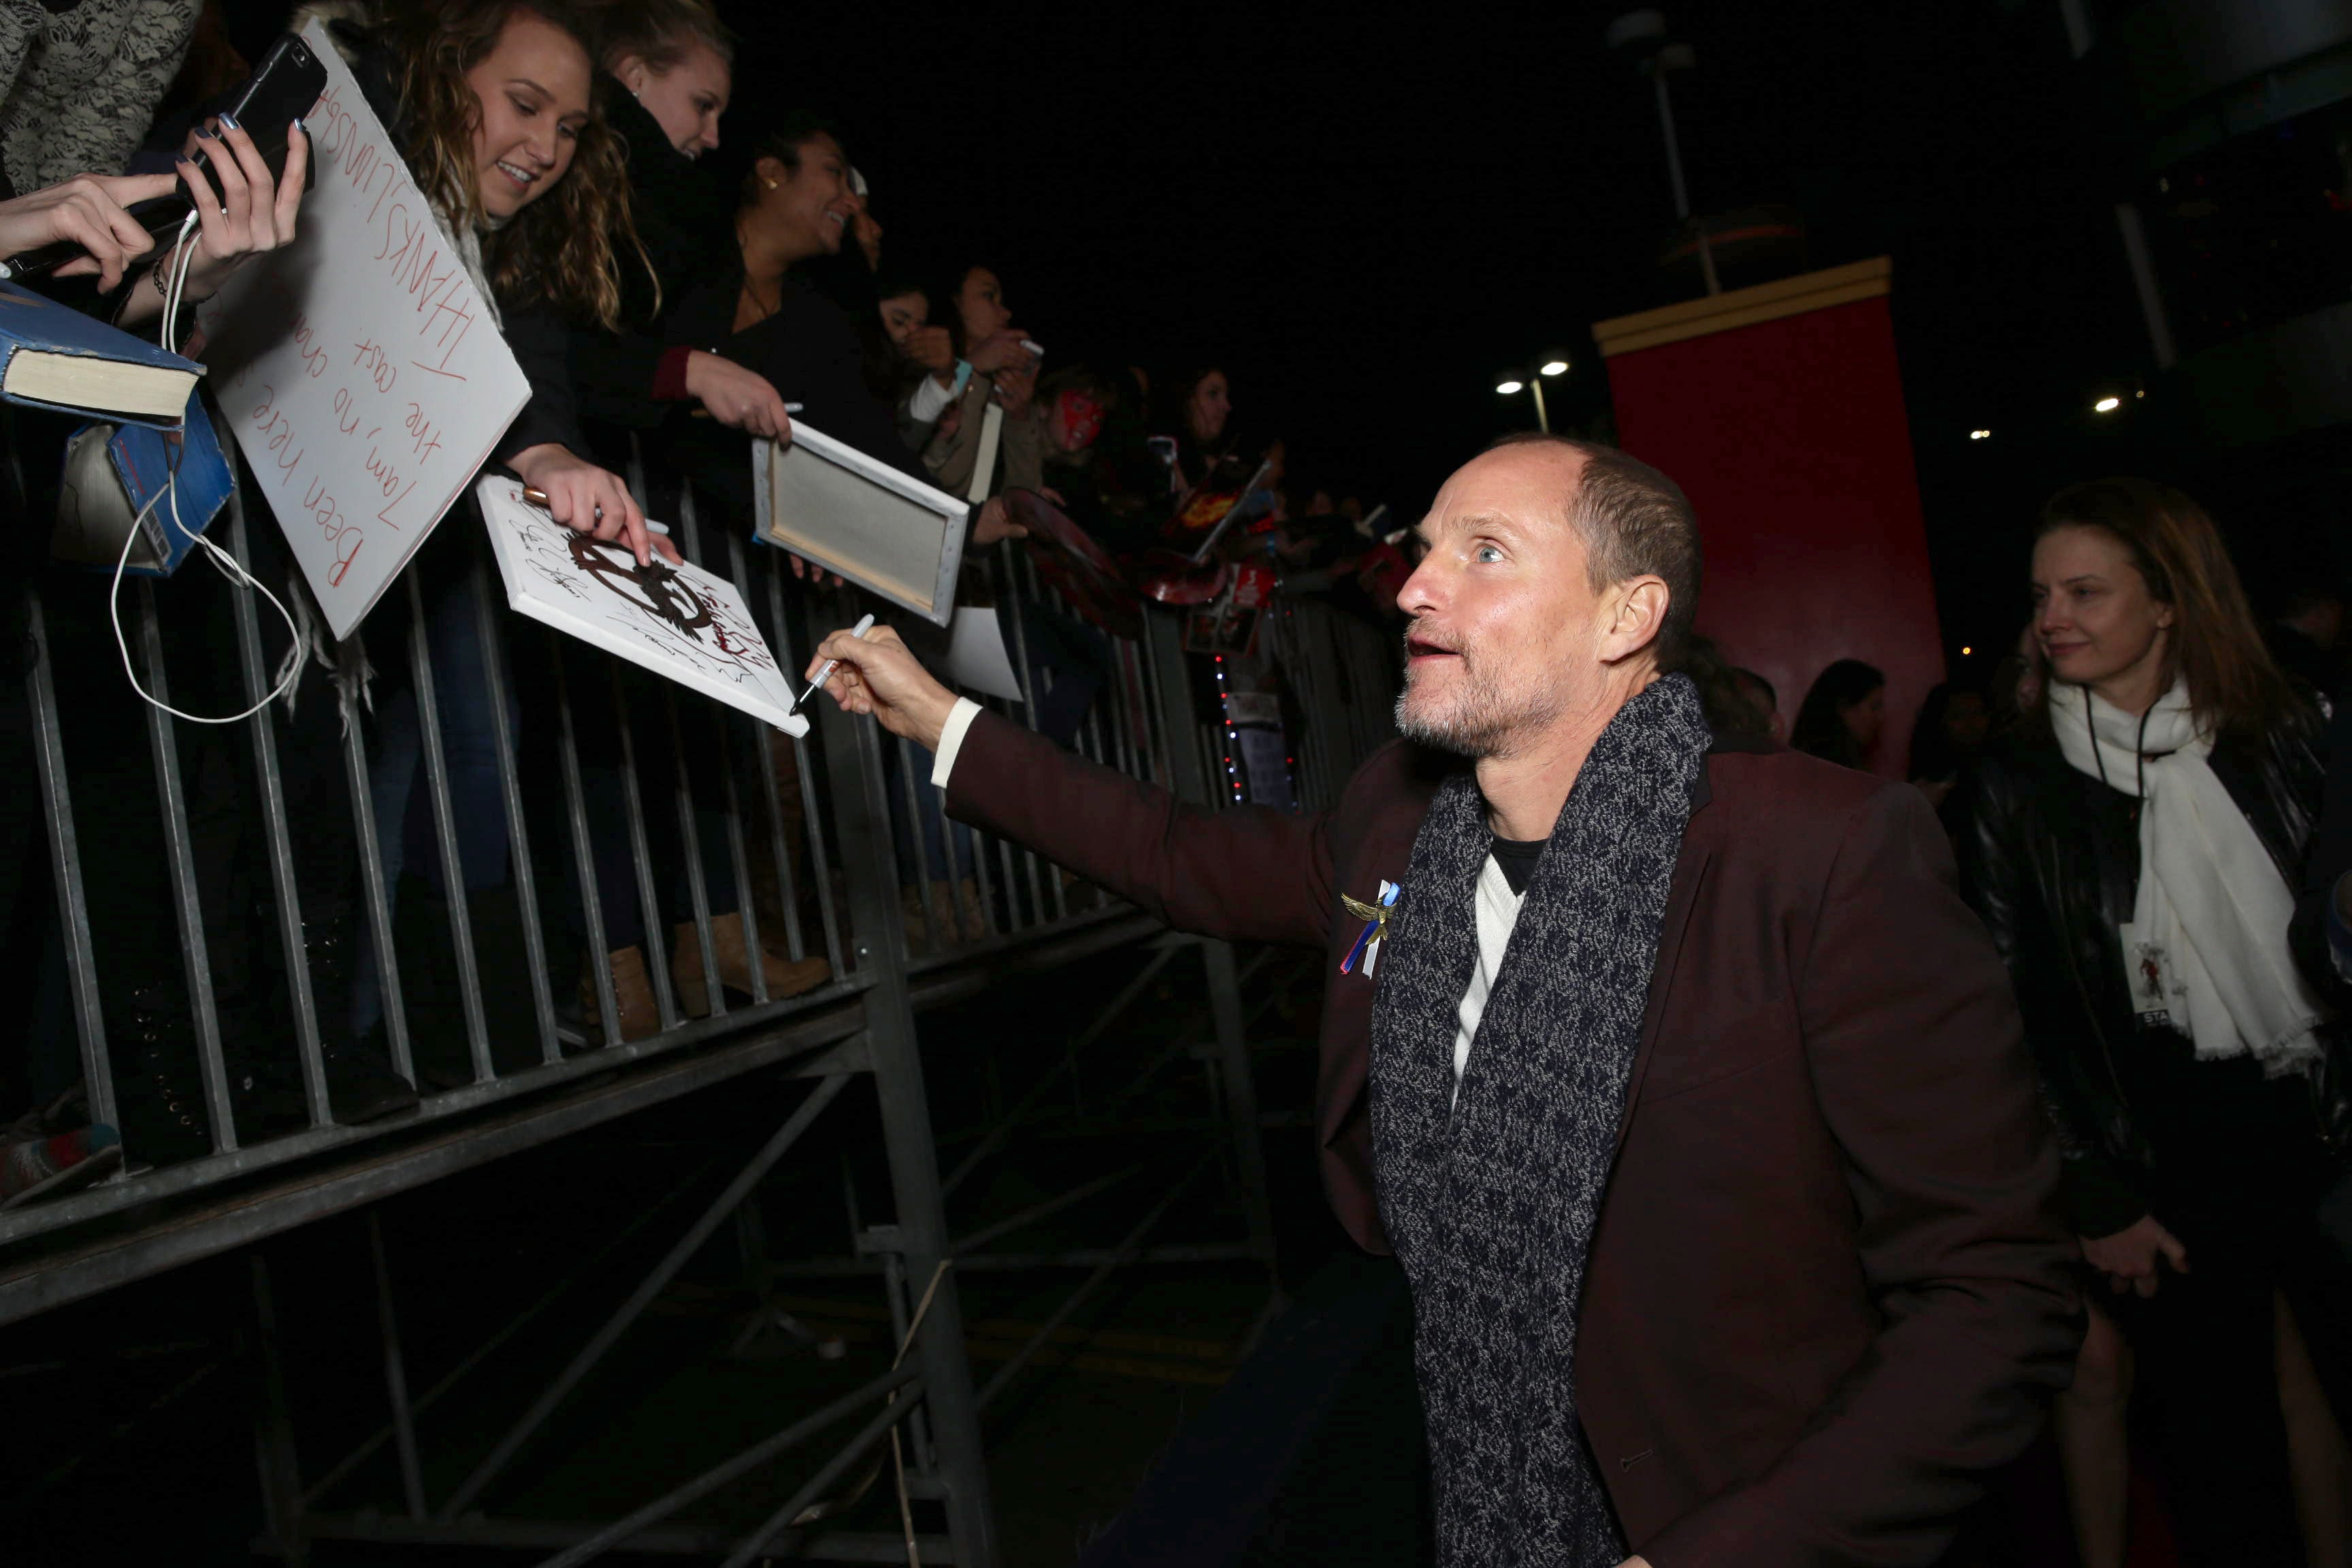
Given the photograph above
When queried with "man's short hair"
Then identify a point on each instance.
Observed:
(1634, 523)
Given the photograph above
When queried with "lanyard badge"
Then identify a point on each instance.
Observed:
(1375, 916)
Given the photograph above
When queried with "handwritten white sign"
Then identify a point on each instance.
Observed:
(359, 367)
(680, 622)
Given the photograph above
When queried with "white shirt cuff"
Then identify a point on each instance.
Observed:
(951, 740)
(929, 400)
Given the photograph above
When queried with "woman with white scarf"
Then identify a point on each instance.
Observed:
(2137, 840)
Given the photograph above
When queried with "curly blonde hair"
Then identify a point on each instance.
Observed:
(564, 248)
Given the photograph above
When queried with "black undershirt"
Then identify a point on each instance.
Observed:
(1517, 860)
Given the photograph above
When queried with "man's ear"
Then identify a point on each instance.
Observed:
(772, 172)
(1632, 614)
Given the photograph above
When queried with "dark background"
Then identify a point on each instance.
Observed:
(1364, 216)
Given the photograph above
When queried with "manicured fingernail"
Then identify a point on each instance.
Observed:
(205, 135)
(228, 121)
(296, 124)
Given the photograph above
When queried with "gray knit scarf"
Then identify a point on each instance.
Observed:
(1491, 1204)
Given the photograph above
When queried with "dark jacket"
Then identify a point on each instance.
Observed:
(809, 352)
(681, 217)
(2053, 864)
(1828, 1289)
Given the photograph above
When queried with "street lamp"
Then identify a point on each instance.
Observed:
(1511, 383)
(1645, 33)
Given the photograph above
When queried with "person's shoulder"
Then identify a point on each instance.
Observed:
(1801, 811)
(1398, 774)
(1781, 780)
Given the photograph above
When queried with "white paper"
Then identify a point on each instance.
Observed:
(680, 622)
(976, 656)
(359, 368)
(983, 467)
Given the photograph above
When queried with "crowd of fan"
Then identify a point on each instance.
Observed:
(660, 309)
(645, 299)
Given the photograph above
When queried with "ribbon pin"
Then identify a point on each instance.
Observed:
(1375, 916)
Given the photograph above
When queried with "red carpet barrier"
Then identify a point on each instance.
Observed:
(1779, 410)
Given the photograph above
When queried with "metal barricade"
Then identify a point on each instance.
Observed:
(835, 850)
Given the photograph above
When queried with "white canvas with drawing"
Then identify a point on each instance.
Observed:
(828, 502)
(362, 373)
(682, 622)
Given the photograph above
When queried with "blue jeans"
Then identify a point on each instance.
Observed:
(397, 786)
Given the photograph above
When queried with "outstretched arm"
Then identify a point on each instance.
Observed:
(1247, 873)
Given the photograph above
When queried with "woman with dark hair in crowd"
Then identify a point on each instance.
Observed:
(493, 104)
(1203, 425)
(1003, 373)
(795, 205)
(2136, 839)
(1843, 715)
(909, 362)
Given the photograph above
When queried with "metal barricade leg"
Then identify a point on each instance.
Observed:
(854, 758)
(281, 1475)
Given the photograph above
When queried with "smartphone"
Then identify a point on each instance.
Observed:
(284, 87)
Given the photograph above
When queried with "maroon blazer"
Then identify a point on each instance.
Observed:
(1829, 1288)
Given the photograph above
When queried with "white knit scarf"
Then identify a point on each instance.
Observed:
(2207, 944)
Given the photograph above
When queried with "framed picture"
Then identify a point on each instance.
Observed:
(855, 516)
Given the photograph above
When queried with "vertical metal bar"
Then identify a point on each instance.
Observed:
(780, 848)
(765, 740)
(445, 832)
(1241, 1092)
(894, 1294)
(811, 820)
(263, 728)
(281, 1474)
(648, 906)
(494, 671)
(583, 853)
(689, 525)
(854, 758)
(187, 903)
(738, 862)
(1029, 716)
(920, 850)
(379, 901)
(65, 866)
(979, 865)
(690, 846)
(395, 1375)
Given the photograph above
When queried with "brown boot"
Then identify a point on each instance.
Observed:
(632, 998)
(785, 978)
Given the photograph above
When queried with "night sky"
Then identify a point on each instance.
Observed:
(1363, 215)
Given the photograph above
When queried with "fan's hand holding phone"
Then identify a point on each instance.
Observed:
(267, 107)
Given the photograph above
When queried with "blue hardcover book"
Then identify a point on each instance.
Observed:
(112, 474)
(53, 356)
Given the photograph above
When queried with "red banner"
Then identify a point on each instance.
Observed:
(1780, 410)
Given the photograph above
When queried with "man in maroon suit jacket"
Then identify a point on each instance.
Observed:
(1825, 1291)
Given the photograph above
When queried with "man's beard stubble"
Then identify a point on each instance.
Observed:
(1480, 720)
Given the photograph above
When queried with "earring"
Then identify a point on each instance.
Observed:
(770, 183)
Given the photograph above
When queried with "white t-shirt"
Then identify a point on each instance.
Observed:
(1498, 914)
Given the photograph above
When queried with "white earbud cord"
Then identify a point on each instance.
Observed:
(223, 561)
